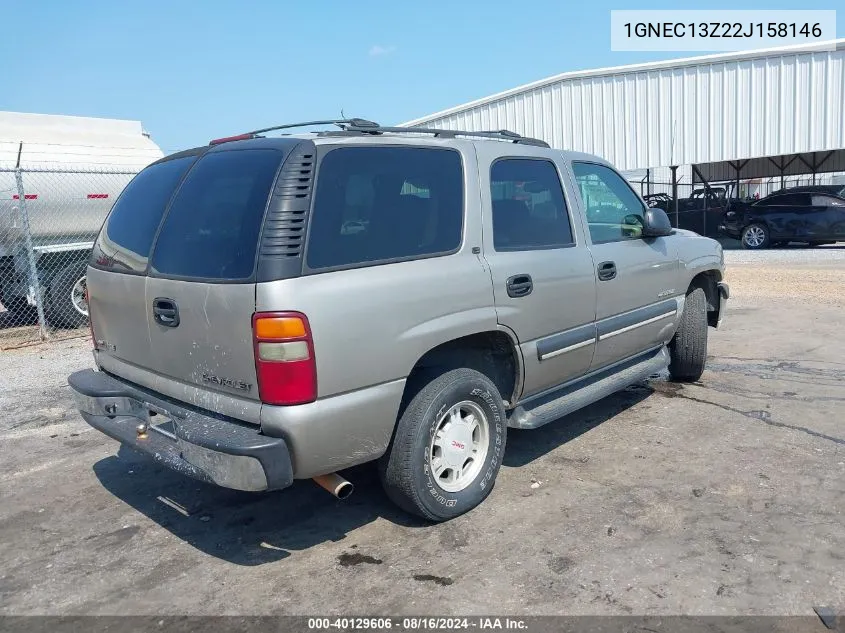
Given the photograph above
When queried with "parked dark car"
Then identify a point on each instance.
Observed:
(701, 212)
(701, 199)
(659, 201)
(834, 190)
(813, 215)
(705, 198)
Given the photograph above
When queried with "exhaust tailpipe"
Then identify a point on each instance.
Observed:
(335, 484)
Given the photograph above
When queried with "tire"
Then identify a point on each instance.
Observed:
(407, 469)
(19, 312)
(688, 348)
(59, 307)
(755, 236)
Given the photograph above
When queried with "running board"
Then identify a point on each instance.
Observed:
(587, 390)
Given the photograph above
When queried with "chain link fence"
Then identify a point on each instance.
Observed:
(699, 207)
(49, 218)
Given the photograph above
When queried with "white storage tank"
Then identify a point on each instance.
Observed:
(72, 170)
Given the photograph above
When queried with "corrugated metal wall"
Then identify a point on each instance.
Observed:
(720, 107)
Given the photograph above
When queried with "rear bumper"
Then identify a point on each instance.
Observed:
(215, 450)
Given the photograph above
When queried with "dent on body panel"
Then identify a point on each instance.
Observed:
(446, 327)
(698, 262)
(219, 402)
(208, 359)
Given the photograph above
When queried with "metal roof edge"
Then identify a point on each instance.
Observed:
(823, 46)
(11, 117)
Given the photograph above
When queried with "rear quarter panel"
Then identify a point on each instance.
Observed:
(373, 322)
(370, 326)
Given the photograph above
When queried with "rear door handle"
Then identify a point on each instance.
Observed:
(165, 312)
(607, 271)
(519, 286)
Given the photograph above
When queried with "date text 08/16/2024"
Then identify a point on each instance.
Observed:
(416, 623)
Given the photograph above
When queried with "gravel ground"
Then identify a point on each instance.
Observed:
(821, 283)
(721, 497)
(33, 384)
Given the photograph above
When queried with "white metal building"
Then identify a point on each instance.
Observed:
(711, 115)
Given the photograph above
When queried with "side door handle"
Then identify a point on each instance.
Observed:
(607, 271)
(165, 312)
(519, 286)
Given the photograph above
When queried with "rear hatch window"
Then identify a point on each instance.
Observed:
(211, 230)
(200, 270)
(125, 240)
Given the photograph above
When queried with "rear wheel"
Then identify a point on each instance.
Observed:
(755, 236)
(65, 305)
(688, 348)
(448, 446)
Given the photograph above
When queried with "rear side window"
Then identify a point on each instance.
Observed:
(373, 204)
(529, 211)
(127, 235)
(827, 201)
(212, 228)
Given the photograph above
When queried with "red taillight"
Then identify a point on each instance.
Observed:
(284, 358)
(226, 139)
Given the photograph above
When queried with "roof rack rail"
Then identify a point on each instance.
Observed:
(505, 135)
(363, 126)
(358, 124)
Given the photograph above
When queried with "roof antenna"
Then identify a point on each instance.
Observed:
(342, 115)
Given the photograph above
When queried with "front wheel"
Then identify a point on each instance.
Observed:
(448, 446)
(688, 348)
(755, 236)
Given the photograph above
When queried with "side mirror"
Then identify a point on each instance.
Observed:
(656, 223)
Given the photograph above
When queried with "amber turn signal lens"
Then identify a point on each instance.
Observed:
(279, 328)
